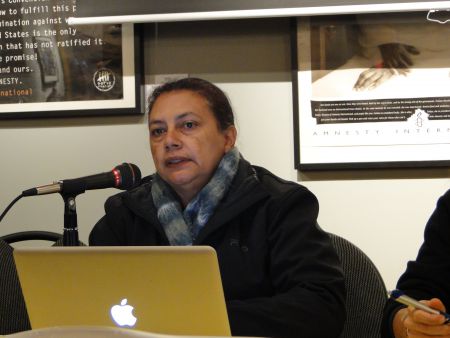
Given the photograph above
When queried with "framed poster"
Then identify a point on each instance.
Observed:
(372, 90)
(50, 69)
(119, 11)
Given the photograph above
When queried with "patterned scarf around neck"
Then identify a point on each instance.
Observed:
(183, 226)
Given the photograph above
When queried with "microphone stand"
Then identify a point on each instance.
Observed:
(69, 190)
(70, 234)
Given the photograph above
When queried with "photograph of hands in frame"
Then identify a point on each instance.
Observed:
(51, 69)
(371, 91)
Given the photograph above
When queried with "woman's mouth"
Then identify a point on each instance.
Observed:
(175, 161)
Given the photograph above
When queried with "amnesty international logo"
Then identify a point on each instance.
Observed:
(104, 79)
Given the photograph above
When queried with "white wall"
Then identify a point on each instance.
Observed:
(37, 152)
(382, 211)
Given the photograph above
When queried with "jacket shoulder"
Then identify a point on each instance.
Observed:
(277, 185)
(139, 193)
(445, 199)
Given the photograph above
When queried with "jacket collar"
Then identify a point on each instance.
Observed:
(245, 191)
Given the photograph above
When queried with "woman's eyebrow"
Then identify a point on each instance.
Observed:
(183, 115)
(152, 122)
(177, 118)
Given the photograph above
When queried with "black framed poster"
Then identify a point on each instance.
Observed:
(49, 68)
(113, 11)
(372, 90)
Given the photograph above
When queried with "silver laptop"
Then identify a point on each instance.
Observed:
(169, 290)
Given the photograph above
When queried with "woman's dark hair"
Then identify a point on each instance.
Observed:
(216, 98)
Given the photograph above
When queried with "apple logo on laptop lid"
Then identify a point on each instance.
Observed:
(122, 314)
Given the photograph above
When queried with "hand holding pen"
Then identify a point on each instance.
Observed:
(409, 323)
(400, 297)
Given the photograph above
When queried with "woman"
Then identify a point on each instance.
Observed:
(428, 279)
(280, 273)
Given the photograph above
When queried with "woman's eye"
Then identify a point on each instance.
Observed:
(189, 124)
(157, 132)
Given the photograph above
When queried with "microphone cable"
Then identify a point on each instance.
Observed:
(10, 206)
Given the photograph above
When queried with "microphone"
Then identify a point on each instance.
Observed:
(124, 176)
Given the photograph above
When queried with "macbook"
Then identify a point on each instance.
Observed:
(161, 289)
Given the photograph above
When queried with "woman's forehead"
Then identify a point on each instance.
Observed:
(179, 102)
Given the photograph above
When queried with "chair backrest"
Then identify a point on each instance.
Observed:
(366, 291)
(50, 236)
(13, 313)
(32, 235)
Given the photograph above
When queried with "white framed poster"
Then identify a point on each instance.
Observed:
(372, 90)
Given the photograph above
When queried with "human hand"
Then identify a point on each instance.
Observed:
(372, 78)
(397, 56)
(396, 61)
(421, 324)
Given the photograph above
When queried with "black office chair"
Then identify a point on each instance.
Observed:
(366, 291)
(13, 313)
(32, 235)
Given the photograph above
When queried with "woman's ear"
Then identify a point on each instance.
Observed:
(230, 137)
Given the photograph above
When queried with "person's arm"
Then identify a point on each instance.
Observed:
(425, 278)
(309, 292)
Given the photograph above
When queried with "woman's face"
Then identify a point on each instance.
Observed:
(186, 141)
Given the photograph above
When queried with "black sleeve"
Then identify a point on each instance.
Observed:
(429, 275)
(309, 299)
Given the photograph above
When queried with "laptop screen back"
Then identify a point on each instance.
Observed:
(170, 290)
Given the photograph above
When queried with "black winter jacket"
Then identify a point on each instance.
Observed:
(429, 275)
(280, 274)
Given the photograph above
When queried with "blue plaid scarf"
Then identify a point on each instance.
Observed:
(183, 226)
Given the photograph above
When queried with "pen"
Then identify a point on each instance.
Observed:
(400, 297)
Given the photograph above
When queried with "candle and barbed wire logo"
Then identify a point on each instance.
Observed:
(104, 79)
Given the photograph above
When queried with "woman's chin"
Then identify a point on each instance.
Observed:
(179, 179)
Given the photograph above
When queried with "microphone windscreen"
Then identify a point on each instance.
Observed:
(130, 176)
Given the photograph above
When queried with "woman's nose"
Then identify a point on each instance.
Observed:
(172, 141)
